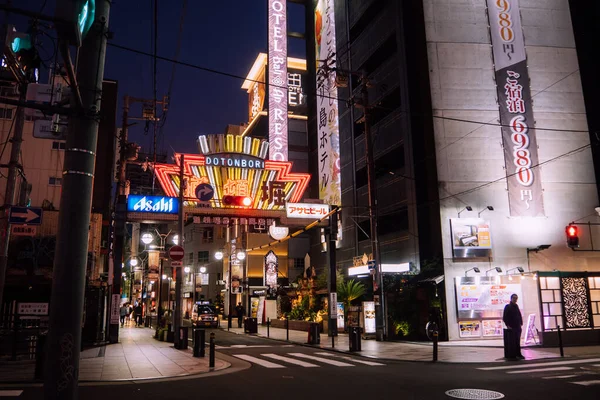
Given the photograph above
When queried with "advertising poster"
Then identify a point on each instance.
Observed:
(114, 309)
(261, 309)
(483, 298)
(492, 327)
(340, 315)
(254, 307)
(369, 316)
(525, 195)
(471, 238)
(327, 105)
(469, 328)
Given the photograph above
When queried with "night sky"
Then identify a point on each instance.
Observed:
(221, 35)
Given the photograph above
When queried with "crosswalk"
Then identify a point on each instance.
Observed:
(583, 372)
(313, 360)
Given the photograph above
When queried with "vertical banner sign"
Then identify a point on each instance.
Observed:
(278, 82)
(516, 114)
(327, 105)
(271, 269)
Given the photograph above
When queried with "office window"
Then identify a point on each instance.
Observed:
(207, 235)
(6, 113)
(59, 145)
(191, 257)
(52, 181)
(203, 257)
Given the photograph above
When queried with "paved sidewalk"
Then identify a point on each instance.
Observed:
(455, 352)
(137, 356)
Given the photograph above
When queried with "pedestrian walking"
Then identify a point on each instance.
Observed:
(123, 313)
(240, 311)
(138, 315)
(514, 322)
(130, 313)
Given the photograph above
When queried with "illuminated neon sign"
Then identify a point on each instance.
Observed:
(269, 187)
(278, 84)
(153, 204)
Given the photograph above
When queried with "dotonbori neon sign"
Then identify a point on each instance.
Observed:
(234, 160)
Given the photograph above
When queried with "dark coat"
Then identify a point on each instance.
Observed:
(240, 311)
(512, 316)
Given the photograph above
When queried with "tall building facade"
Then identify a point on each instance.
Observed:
(483, 155)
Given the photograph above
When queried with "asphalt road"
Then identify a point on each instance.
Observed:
(263, 368)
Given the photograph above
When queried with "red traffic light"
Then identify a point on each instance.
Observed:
(239, 201)
(572, 236)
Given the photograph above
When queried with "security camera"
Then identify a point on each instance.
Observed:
(597, 210)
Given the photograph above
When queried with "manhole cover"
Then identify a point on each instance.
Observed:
(474, 394)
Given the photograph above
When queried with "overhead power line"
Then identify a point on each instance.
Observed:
(243, 78)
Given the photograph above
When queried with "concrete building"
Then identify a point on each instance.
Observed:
(482, 155)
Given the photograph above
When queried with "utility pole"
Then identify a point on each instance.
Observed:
(333, 227)
(9, 198)
(61, 373)
(179, 274)
(380, 319)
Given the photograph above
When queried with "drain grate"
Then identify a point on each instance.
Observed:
(474, 394)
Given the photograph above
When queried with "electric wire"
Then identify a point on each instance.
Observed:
(231, 75)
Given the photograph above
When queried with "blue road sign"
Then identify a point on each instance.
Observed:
(204, 192)
(371, 264)
(25, 215)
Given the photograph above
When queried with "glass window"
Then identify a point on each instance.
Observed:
(58, 145)
(53, 181)
(203, 257)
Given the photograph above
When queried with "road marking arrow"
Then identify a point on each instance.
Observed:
(28, 216)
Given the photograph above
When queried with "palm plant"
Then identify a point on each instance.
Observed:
(348, 292)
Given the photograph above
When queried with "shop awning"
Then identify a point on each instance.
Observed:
(436, 279)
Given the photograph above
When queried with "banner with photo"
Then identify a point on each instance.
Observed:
(516, 115)
(271, 269)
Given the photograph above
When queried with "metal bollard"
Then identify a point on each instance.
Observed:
(199, 342)
(435, 346)
(287, 329)
(560, 344)
(211, 354)
(268, 326)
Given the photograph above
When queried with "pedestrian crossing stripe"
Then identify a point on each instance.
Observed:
(10, 393)
(371, 363)
(587, 383)
(530, 371)
(293, 359)
(290, 360)
(264, 363)
(544, 364)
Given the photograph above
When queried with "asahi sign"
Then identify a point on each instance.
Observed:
(516, 115)
(277, 78)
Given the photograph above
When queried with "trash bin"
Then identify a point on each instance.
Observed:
(250, 325)
(509, 349)
(40, 355)
(183, 338)
(313, 334)
(354, 338)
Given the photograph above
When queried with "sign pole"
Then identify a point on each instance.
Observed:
(179, 281)
(333, 221)
(61, 374)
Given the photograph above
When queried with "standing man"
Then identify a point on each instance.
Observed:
(138, 315)
(514, 322)
(123, 313)
(240, 311)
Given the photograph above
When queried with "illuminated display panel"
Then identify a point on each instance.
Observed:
(269, 187)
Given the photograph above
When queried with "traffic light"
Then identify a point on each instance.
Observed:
(74, 18)
(20, 54)
(239, 201)
(572, 236)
